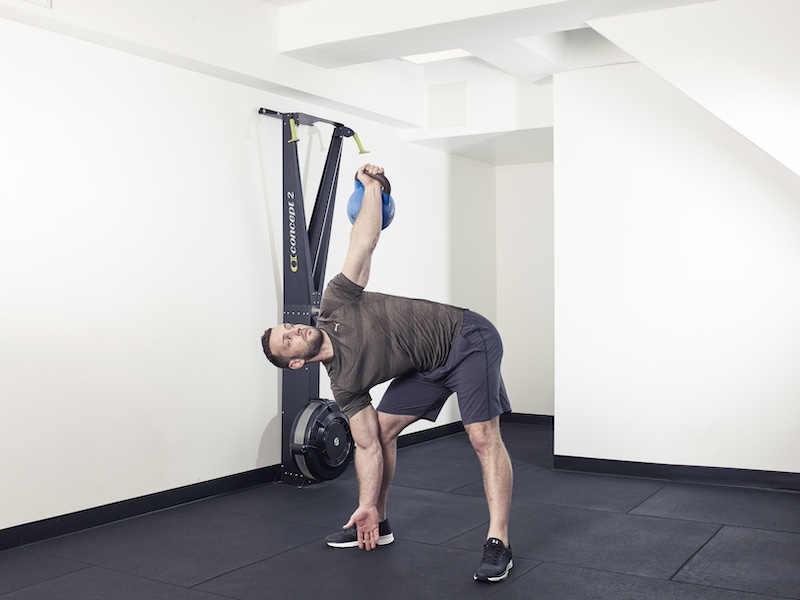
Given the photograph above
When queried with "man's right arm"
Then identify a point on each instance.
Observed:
(366, 229)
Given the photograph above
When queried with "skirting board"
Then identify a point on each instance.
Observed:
(773, 480)
(429, 434)
(458, 427)
(526, 419)
(29, 533)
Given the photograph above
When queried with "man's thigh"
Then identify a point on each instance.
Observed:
(413, 395)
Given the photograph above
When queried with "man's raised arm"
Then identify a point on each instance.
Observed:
(366, 229)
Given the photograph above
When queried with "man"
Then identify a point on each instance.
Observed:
(430, 350)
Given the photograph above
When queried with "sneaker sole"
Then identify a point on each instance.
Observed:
(384, 540)
(496, 578)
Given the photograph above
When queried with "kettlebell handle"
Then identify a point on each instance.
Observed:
(387, 187)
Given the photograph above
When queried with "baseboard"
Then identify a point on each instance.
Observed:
(38, 531)
(528, 419)
(773, 480)
(29, 533)
(443, 430)
(429, 434)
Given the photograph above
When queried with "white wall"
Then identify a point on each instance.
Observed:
(140, 240)
(525, 284)
(677, 248)
(133, 224)
(736, 58)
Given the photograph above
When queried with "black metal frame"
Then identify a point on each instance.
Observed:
(305, 254)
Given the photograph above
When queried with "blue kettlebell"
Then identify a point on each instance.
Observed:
(354, 204)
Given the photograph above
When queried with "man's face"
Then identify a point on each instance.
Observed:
(295, 341)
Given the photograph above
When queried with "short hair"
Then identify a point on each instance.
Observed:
(278, 361)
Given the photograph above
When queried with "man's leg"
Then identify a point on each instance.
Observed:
(497, 474)
(390, 427)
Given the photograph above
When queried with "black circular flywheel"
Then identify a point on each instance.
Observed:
(321, 443)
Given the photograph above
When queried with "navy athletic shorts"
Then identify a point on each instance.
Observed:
(472, 372)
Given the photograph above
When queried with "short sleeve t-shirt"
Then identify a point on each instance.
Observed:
(377, 337)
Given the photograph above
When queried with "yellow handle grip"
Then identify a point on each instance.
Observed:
(293, 129)
(358, 142)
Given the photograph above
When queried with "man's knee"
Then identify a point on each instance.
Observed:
(484, 435)
(387, 438)
(390, 426)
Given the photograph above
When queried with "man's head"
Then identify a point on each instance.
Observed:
(290, 346)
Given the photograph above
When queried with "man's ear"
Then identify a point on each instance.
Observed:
(296, 363)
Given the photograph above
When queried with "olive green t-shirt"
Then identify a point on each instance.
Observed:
(377, 337)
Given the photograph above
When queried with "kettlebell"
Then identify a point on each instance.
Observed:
(354, 204)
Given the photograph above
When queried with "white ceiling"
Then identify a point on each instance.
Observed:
(499, 149)
(521, 37)
(530, 40)
(284, 2)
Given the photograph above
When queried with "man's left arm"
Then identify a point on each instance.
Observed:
(369, 467)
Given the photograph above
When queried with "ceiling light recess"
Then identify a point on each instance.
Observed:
(429, 57)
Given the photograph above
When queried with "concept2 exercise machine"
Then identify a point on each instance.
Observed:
(316, 444)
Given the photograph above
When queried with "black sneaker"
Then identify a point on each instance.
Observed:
(348, 538)
(496, 561)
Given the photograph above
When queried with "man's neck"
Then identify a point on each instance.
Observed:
(326, 352)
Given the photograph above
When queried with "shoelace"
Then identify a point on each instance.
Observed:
(492, 553)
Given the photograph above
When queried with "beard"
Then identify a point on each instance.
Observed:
(314, 344)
